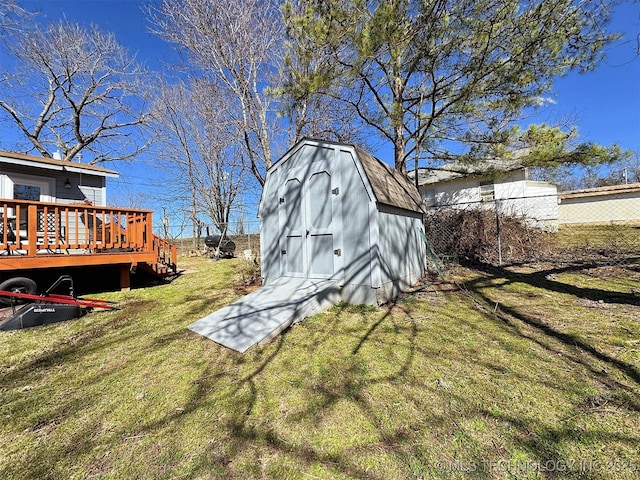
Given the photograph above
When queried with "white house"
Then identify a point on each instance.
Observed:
(616, 203)
(493, 184)
(28, 177)
(53, 181)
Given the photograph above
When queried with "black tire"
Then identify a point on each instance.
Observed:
(17, 285)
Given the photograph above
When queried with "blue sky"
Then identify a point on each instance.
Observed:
(604, 103)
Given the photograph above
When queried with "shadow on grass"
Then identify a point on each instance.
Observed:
(541, 280)
(544, 279)
(236, 406)
(96, 337)
(232, 384)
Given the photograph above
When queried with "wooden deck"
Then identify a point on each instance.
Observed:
(36, 235)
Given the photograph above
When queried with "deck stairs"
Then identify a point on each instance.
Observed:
(164, 266)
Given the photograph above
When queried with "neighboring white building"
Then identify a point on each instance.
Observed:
(28, 177)
(617, 203)
(492, 184)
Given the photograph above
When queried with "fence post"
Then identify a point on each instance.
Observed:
(497, 207)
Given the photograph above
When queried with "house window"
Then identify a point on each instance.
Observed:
(30, 187)
(487, 192)
(26, 192)
(429, 197)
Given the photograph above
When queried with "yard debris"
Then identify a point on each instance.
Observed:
(584, 302)
(442, 383)
(472, 235)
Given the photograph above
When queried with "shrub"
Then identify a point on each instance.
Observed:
(477, 235)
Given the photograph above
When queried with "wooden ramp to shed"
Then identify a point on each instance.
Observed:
(260, 316)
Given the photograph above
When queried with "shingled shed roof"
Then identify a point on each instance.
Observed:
(390, 186)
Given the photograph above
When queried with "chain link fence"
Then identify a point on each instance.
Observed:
(599, 225)
(245, 238)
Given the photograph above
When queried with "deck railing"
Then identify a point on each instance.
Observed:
(32, 228)
(166, 252)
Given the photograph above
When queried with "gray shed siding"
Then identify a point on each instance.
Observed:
(277, 217)
(360, 214)
(373, 250)
(400, 233)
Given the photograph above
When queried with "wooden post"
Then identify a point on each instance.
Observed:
(125, 277)
(32, 229)
(148, 232)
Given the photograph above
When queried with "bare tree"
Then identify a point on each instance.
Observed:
(200, 150)
(322, 116)
(75, 90)
(11, 16)
(236, 45)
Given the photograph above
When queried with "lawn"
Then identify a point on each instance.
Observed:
(503, 373)
(611, 238)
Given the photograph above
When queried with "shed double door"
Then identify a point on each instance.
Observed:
(308, 218)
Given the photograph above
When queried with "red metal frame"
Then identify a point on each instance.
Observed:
(64, 299)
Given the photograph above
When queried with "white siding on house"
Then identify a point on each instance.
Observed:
(82, 186)
(457, 193)
(64, 182)
(96, 195)
(510, 186)
(600, 207)
(44, 185)
(541, 201)
(514, 195)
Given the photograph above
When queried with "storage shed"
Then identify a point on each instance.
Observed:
(332, 210)
(336, 224)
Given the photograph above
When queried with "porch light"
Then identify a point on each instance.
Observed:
(67, 184)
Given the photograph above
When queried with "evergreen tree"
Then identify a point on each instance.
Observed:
(446, 78)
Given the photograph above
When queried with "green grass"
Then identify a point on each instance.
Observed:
(612, 237)
(516, 375)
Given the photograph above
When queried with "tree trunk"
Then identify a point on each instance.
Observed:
(399, 147)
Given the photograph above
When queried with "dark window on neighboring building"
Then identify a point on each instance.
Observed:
(26, 192)
(429, 197)
(487, 192)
